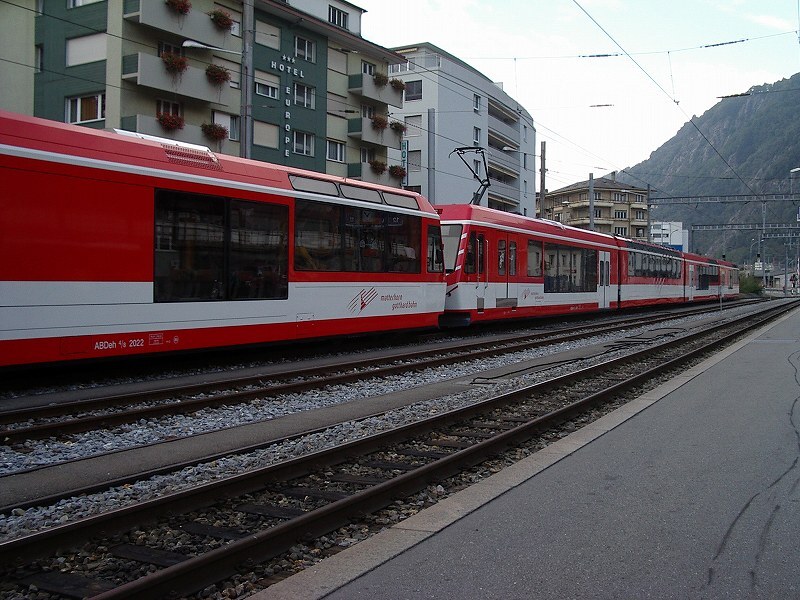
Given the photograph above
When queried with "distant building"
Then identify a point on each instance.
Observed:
(670, 233)
(618, 209)
(301, 87)
(448, 104)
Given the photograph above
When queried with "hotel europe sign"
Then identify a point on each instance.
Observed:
(286, 67)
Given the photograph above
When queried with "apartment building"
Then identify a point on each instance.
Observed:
(618, 209)
(289, 83)
(448, 105)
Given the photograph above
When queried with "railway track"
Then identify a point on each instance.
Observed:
(108, 410)
(309, 496)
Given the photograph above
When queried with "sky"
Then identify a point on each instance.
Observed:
(672, 60)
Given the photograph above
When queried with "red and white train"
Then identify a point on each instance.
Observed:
(500, 265)
(116, 245)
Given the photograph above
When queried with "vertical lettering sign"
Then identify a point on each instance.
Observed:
(404, 162)
(285, 66)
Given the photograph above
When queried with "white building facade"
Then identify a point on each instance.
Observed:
(670, 233)
(448, 105)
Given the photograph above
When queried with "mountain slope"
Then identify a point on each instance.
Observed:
(743, 145)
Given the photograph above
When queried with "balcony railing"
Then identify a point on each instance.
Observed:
(148, 70)
(364, 85)
(363, 130)
(196, 25)
(365, 173)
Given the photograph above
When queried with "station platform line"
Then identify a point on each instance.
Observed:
(433, 553)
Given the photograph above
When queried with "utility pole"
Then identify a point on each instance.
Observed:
(247, 83)
(542, 187)
(591, 202)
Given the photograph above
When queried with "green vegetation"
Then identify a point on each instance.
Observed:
(750, 285)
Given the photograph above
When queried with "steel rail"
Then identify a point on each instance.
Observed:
(359, 369)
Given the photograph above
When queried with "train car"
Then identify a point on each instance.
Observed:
(650, 274)
(114, 245)
(709, 278)
(501, 265)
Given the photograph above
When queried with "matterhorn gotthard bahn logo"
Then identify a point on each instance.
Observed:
(362, 300)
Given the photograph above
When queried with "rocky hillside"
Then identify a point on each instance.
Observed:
(758, 135)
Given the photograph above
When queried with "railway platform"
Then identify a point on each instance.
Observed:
(690, 491)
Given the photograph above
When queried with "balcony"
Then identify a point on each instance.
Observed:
(195, 26)
(364, 172)
(364, 85)
(503, 129)
(499, 188)
(363, 130)
(191, 134)
(148, 70)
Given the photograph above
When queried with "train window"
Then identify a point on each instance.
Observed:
(570, 269)
(481, 254)
(257, 256)
(401, 200)
(451, 236)
(338, 238)
(317, 186)
(472, 252)
(360, 193)
(403, 243)
(534, 259)
(215, 248)
(512, 258)
(435, 250)
(317, 236)
(501, 257)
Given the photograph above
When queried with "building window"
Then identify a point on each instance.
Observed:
(304, 96)
(367, 68)
(167, 48)
(367, 111)
(304, 49)
(77, 3)
(639, 232)
(620, 197)
(267, 85)
(230, 122)
(476, 103)
(335, 151)
(303, 143)
(414, 160)
(86, 49)
(640, 215)
(84, 109)
(598, 213)
(620, 214)
(337, 17)
(265, 134)
(168, 107)
(476, 166)
(413, 125)
(38, 61)
(638, 198)
(414, 90)
(620, 231)
(367, 155)
(233, 70)
(476, 136)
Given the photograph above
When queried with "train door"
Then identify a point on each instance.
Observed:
(476, 267)
(691, 283)
(604, 280)
(507, 272)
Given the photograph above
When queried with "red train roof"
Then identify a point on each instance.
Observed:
(167, 155)
(490, 216)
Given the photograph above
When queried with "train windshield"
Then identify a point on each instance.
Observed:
(451, 236)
